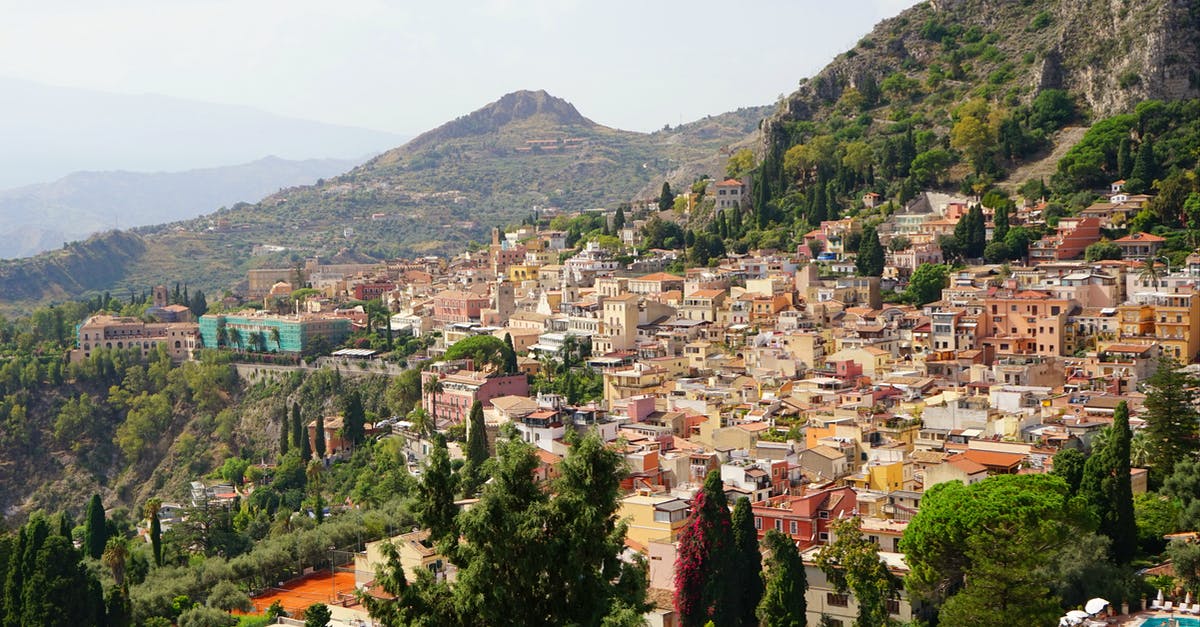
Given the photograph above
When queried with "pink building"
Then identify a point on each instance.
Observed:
(1073, 236)
(458, 306)
(462, 385)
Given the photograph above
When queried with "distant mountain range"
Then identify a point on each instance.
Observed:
(48, 132)
(35, 218)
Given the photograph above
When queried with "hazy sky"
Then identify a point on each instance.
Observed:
(407, 66)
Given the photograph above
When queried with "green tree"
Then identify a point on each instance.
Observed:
(1068, 464)
(1183, 486)
(354, 418)
(510, 355)
(484, 350)
(745, 566)
(984, 553)
(477, 451)
(971, 233)
(95, 530)
(870, 258)
(317, 615)
(1156, 517)
(1106, 486)
(926, 283)
(1000, 222)
(701, 589)
(783, 603)
(284, 429)
(152, 509)
(297, 428)
(59, 590)
(1102, 250)
(852, 564)
(1145, 165)
(740, 163)
(666, 199)
(319, 436)
(435, 509)
(1171, 417)
(618, 220)
(227, 596)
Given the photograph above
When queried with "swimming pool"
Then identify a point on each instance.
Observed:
(1161, 621)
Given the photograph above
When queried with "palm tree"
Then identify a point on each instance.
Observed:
(420, 421)
(222, 335)
(313, 473)
(433, 387)
(115, 554)
(276, 338)
(1149, 272)
(1140, 449)
(235, 336)
(380, 316)
(1101, 439)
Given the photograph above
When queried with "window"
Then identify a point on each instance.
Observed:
(836, 600)
(823, 536)
(758, 522)
(893, 606)
(823, 515)
(794, 528)
(779, 525)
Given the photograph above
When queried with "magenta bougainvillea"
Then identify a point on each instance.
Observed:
(703, 547)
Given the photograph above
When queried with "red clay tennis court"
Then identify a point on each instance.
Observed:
(296, 595)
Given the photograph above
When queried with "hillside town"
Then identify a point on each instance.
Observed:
(816, 393)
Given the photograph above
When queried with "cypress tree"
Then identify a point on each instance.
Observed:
(1145, 166)
(284, 428)
(871, 258)
(297, 428)
(1000, 223)
(477, 451)
(319, 436)
(1124, 162)
(745, 567)
(156, 537)
(510, 356)
(1106, 486)
(701, 589)
(95, 529)
(783, 603)
(355, 418)
(619, 219)
(434, 508)
(306, 452)
(666, 199)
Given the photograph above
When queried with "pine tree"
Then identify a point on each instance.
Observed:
(95, 530)
(701, 589)
(1171, 417)
(319, 437)
(783, 603)
(745, 567)
(666, 199)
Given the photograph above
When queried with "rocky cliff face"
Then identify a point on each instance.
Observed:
(1111, 54)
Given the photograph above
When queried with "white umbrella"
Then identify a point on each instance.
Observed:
(1188, 599)
(1095, 606)
(1160, 595)
(1077, 614)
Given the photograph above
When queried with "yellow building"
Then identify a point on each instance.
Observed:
(653, 517)
(415, 550)
(883, 477)
(636, 380)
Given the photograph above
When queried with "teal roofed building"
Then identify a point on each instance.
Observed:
(266, 332)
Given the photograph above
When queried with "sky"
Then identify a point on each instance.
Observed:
(406, 67)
